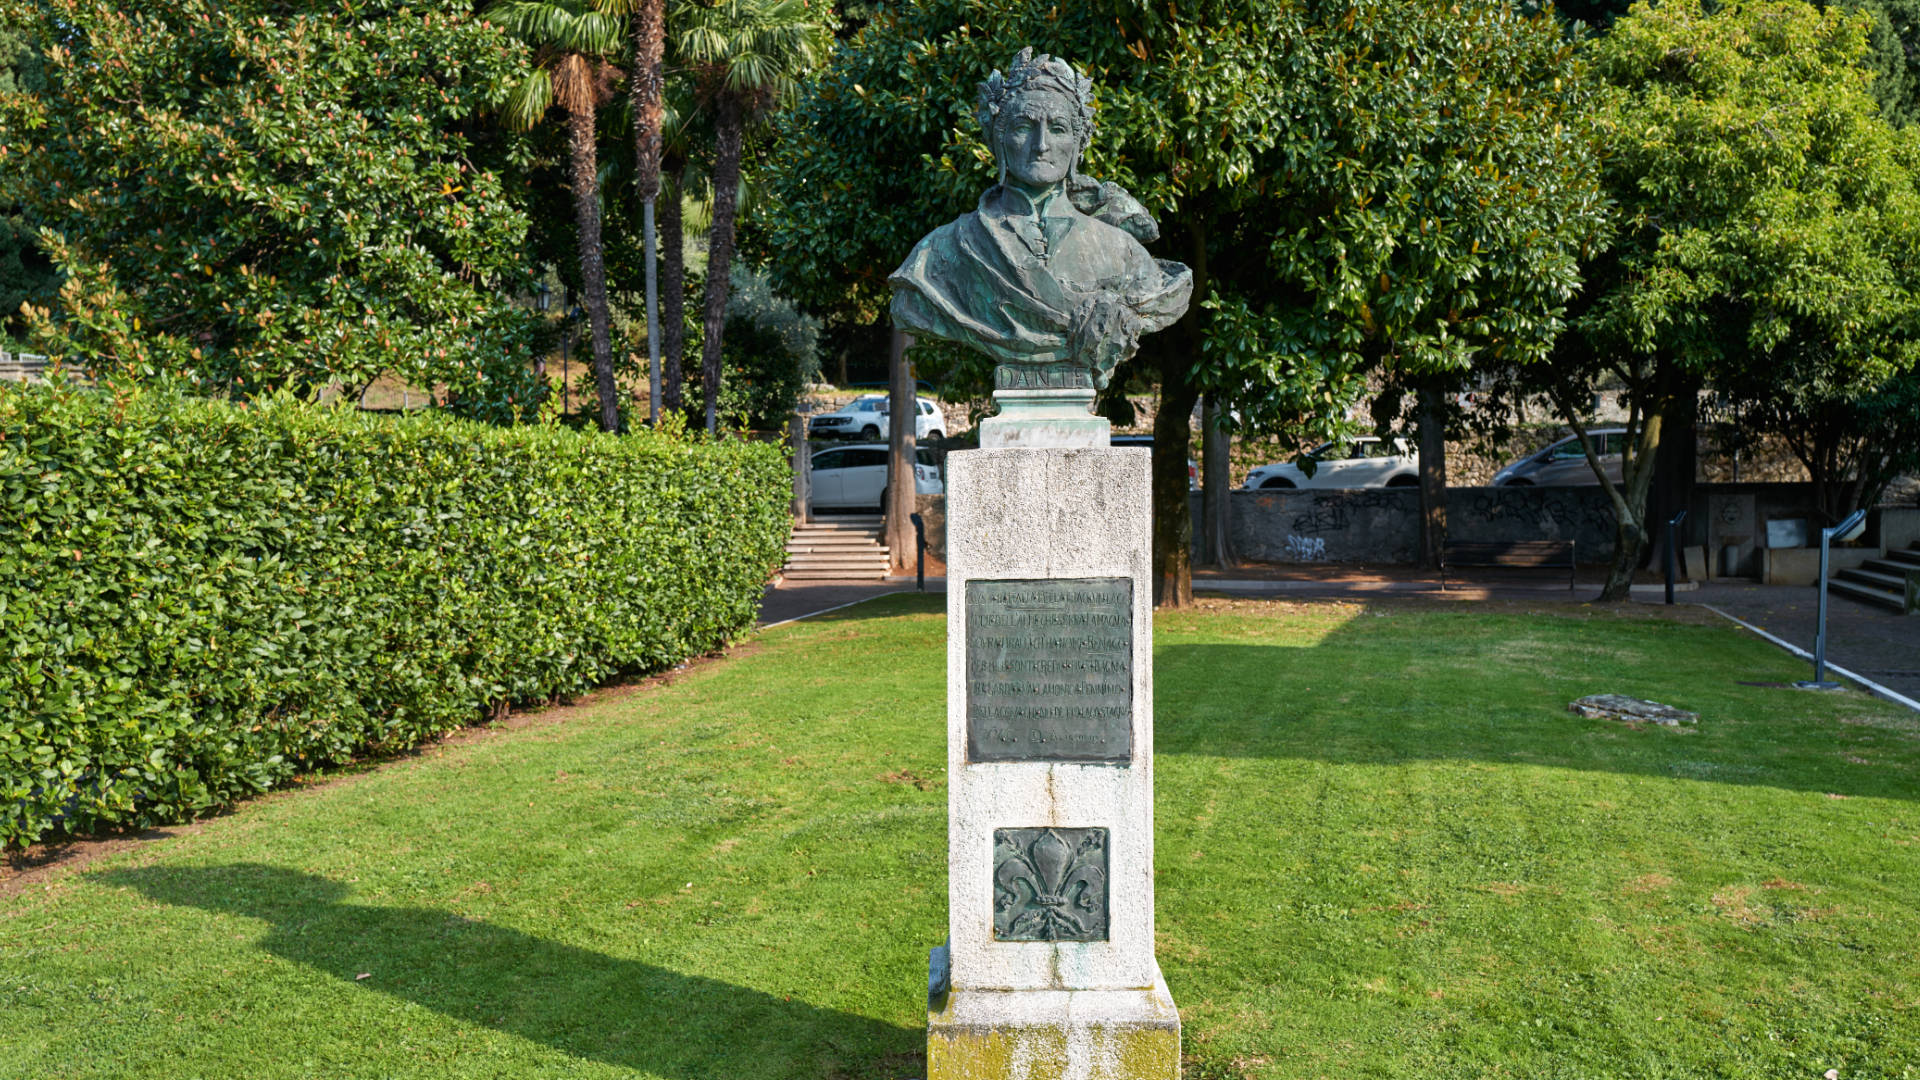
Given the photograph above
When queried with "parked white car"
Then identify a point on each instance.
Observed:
(866, 418)
(1565, 463)
(856, 476)
(1361, 462)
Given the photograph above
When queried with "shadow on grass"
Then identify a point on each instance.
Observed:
(584, 1003)
(1361, 696)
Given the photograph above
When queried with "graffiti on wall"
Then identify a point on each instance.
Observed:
(1571, 517)
(1332, 512)
(1306, 548)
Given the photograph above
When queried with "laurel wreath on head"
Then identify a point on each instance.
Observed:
(1041, 72)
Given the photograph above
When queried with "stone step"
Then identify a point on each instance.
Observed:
(858, 521)
(857, 547)
(1874, 576)
(1909, 558)
(808, 530)
(834, 538)
(837, 564)
(806, 574)
(819, 559)
(1867, 594)
(829, 535)
(1890, 567)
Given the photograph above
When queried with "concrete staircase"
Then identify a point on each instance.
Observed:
(839, 548)
(1881, 582)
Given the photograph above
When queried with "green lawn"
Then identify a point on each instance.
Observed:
(1385, 850)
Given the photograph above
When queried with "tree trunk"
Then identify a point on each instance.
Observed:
(902, 425)
(1172, 442)
(1629, 503)
(593, 267)
(727, 132)
(1674, 471)
(647, 240)
(673, 303)
(1172, 512)
(1433, 476)
(649, 40)
(1216, 481)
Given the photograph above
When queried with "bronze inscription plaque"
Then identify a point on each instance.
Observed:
(1050, 670)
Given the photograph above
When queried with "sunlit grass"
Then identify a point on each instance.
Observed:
(1385, 849)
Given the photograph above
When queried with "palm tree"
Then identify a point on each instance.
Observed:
(673, 277)
(571, 42)
(648, 90)
(745, 55)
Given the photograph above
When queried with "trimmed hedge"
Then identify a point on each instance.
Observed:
(198, 601)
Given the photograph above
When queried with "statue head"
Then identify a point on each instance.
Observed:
(1037, 119)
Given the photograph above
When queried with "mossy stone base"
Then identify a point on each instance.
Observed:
(1054, 1035)
(1044, 418)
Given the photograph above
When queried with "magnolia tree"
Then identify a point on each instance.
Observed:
(259, 194)
(1392, 184)
(1768, 243)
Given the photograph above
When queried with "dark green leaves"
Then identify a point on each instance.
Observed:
(198, 602)
(264, 195)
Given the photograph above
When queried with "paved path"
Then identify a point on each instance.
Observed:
(1869, 641)
(798, 599)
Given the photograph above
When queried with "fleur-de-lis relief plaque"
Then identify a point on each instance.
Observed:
(1050, 884)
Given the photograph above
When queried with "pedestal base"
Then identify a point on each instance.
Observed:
(1061, 419)
(1052, 1034)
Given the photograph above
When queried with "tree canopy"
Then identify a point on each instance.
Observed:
(1893, 55)
(261, 193)
(25, 273)
(1768, 229)
(1396, 183)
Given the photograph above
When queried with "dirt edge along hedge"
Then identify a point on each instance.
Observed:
(198, 601)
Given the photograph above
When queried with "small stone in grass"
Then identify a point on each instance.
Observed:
(1631, 710)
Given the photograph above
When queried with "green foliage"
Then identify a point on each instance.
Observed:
(753, 49)
(1893, 40)
(771, 352)
(25, 273)
(198, 601)
(1392, 183)
(1769, 228)
(1762, 196)
(262, 194)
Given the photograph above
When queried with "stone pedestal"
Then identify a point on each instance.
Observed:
(1044, 419)
(1049, 972)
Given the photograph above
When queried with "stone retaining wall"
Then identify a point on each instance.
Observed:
(1381, 525)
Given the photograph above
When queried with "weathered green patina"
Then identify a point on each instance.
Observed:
(1047, 275)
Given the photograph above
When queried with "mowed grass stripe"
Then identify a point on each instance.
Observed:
(1385, 849)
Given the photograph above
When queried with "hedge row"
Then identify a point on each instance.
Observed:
(198, 601)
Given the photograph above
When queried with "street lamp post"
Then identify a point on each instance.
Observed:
(1673, 532)
(1852, 527)
(542, 297)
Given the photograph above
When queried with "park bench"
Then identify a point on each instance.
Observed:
(1551, 554)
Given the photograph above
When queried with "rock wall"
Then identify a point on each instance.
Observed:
(1382, 525)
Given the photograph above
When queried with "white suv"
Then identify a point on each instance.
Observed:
(1362, 462)
(865, 418)
(856, 476)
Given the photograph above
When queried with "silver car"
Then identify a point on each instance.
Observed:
(1565, 463)
(856, 476)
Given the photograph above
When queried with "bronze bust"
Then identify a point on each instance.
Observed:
(1047, 275)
